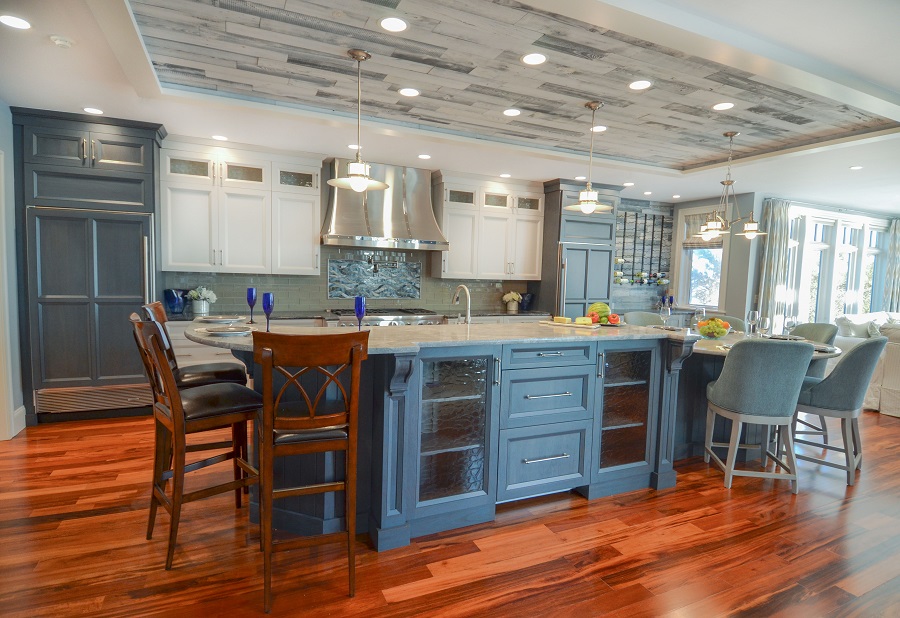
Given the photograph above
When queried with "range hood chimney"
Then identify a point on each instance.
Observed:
(399, 217)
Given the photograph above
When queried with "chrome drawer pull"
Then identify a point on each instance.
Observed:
(531, 461)
(566, 394)
(550, 353)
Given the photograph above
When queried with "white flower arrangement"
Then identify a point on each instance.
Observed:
(512, 296)
(202, 293)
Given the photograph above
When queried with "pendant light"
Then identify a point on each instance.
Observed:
(358, 171)
(587, 199)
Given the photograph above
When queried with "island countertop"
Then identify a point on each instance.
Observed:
(410, 339)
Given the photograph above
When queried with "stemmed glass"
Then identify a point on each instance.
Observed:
(764, 326)
(789, 323)
(268, 306)
(665, 311)
(251, 300)
(699, 316)
(752, 319)
(359, 306)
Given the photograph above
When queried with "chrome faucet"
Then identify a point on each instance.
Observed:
(468, 302)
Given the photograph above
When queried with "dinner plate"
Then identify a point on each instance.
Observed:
(221, 319)
(228, 331)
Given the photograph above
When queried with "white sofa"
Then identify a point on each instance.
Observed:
(883, 393)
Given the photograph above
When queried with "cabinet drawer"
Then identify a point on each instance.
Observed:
(551, 395)
(543, 355)
(540, 460)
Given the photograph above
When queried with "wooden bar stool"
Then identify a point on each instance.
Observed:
(179, 413)
(193, 375)
(309, 410)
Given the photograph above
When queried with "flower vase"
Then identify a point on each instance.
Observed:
(512, 306)
(200, 307)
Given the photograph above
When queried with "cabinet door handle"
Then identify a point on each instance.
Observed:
(566, 394)
(84, 149)
(497, 370)
(542, 354)
(213, 257)
(221, 263)
(93, 152)
(561, 306)
(601, 361)
(214, 165)
(531, 461)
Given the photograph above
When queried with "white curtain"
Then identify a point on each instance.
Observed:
(774, 289)
(892, 283)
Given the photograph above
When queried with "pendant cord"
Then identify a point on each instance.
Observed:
(591, 157)
(358, 109)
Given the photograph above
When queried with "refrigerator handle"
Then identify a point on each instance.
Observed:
(145, 269)
(561, 306)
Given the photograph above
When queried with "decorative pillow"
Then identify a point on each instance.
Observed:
(858, 330)
(873, 330)
(843, 325)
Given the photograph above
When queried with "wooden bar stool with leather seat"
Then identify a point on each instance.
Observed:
(178, 413)
(841, 395)
(308, 407)
(759, 383)
(193, 375)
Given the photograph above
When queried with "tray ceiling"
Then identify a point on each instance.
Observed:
(463, 56)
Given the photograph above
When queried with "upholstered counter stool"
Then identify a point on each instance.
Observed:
(820, 332)
(642, 318)
(841, 395)
(760, 380)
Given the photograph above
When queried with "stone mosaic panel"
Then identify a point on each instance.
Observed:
(385, 279)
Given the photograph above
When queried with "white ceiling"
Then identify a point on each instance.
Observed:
(830, 48)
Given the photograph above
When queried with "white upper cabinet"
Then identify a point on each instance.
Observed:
(245, 229)
(295, 234)
(222, 167)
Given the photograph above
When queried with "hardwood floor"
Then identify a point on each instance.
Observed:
(73, 507)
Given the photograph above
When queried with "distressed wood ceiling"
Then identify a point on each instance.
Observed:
(464, 58)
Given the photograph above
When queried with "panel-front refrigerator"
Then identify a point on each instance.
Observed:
(584, 277)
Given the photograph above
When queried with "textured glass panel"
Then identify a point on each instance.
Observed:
(456, 378)
(295, 179)
(496, 199)
(623, 446)
(529, 203)
(188, 167)
(625, 405)
(451, 473)
(243, 172)
(627, 366)
(462, 197)
(452, 424)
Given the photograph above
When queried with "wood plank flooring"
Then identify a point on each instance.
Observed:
(73, 507)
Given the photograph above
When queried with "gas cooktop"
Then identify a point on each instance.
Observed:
(394, 311)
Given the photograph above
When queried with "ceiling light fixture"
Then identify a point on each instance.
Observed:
(62, 42)
(627, 184)
(721, 107)
(353, 146)
(393, 24)
(856, 167)
(598, 129)
(641, 84)
(14, 22)
(581, 178)
(220, 138)
(505, 175)
(93, 110)
(511, 112)
(648, 192)
(424, 156)
(587, 198)
(409, 92)
(675, 197)
(358, 171)
(534, 59)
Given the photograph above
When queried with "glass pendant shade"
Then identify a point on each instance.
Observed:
(587, 201)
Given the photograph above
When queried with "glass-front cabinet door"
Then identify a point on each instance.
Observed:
(457, 438)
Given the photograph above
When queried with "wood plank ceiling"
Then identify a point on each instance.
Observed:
(464, 58)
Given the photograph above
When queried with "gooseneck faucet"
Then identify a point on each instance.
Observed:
(468, 302)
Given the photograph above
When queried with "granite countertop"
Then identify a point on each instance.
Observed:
(411, 339)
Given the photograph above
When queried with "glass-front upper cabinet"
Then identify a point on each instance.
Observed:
(529, 202)
(294, 179)
(497, 199)
(215, 166)
(460, 196)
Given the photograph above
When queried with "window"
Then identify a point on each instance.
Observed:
(706, 267)
(700, 264)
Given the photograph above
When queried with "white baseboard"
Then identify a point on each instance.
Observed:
(15, 423)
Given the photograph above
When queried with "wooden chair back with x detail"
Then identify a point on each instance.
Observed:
(308, 408)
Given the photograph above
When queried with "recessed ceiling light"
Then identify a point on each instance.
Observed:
(856, 167)
(641, 84)
(352, 146)
(627, 184)
(511, 112)
(581, 178)
(93, 110)
(505, 175)
(598, 129)
(393, 24)
(62, 42)
(424, 156)
(220, 138)
(409, 92)
(534, 58)
(14, 22)
(648, 192)
(719, 107)
(675, 197)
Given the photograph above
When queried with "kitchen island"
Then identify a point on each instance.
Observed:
(466, 416)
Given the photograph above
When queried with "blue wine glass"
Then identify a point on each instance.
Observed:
(251, 300)
(268, 306)
(360, 307)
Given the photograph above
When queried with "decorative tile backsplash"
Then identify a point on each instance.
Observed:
(379, 279)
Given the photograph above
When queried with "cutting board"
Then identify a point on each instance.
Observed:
(574, 325)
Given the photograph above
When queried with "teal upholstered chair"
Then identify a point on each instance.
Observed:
(642, 318)
(735, 323)
(841, 395)
(760, 380)
(820, 332)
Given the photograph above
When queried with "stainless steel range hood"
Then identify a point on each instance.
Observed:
(400, 217)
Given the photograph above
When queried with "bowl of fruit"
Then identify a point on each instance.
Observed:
(713, 328)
